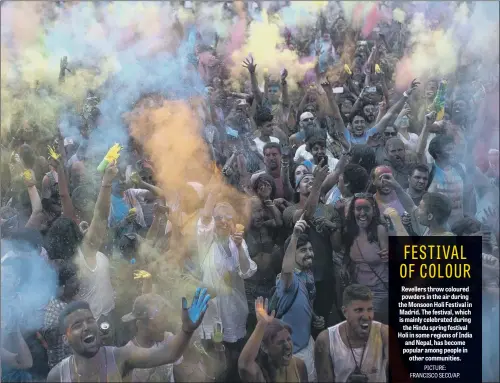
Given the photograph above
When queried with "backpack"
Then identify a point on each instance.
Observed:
(274, 303)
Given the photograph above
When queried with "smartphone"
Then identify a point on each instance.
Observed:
(338, 90)
(323, 159)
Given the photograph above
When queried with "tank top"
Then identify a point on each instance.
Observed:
(374, 361)
(95, 285)
(291, 373)
(112, 372)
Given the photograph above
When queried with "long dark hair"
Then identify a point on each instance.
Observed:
(263, 361)
(351, 227)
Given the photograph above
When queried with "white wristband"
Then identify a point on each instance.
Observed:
(405, 94)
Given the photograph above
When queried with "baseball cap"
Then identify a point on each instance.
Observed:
(143, 306)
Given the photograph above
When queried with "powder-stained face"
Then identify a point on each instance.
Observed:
(358, 126)
(224, 220)
(431, 90)
(274, 93)
(363, 212)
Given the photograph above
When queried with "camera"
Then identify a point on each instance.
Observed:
(357, 377)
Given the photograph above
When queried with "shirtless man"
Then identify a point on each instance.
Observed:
(90, 362)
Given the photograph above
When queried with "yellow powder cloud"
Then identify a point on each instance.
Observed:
(262, 43)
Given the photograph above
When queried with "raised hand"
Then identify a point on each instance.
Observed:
(63, 65)
(430, 118)
(261, 307)
(192, 316)
(300, 226)
(29, 178)
(414, 85)
(249, 64)
(490, 218)
(318, 323)
(322, 223)
(284, 75)
(389, 180)
(110, 173)
(321, 171)
(326, 85)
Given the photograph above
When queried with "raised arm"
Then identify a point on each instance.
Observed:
(335, 113)
(285, 173)
(422, 139)
(21, 357)
(403, 197)
(320, 174)
(138, 357)
(394, 110)
(248, 368)
(285, 99)
(333, 178)
(249, 64)
(99, 226)
(36, 217)
(288, 264)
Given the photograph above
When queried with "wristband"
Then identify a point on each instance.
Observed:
(405, 95)
(106, 185)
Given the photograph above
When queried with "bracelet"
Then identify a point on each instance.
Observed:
(106, 186)
(405, 94)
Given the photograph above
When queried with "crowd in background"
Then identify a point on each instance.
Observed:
(267, 197)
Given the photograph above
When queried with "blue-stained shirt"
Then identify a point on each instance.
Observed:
(359, 140)
(299, 317)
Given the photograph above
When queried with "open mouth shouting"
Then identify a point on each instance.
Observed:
(364, 327)
(90, 340)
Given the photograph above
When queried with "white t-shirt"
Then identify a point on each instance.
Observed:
(411, 143)
(221, 271)
(260, 144)
(303, 155)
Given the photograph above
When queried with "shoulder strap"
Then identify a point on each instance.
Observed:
(431, 175)
(289, 306)
(460, 170)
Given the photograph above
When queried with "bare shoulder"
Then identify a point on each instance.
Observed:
(302, 369)
(322, 341)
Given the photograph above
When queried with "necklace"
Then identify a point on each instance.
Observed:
(78, 375)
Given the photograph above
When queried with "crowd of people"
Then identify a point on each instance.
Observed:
(278, 230)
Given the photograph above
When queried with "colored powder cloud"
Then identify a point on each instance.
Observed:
(263, 42)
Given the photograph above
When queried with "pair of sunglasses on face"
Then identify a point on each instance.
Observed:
(219, 218)
(310, 119)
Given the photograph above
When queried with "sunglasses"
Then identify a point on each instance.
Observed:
(221, 217)
(390, 134)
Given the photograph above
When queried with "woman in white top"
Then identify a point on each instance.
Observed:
(402, 124)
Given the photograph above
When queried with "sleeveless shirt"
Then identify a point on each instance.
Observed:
(112, 372)
(374, 362)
